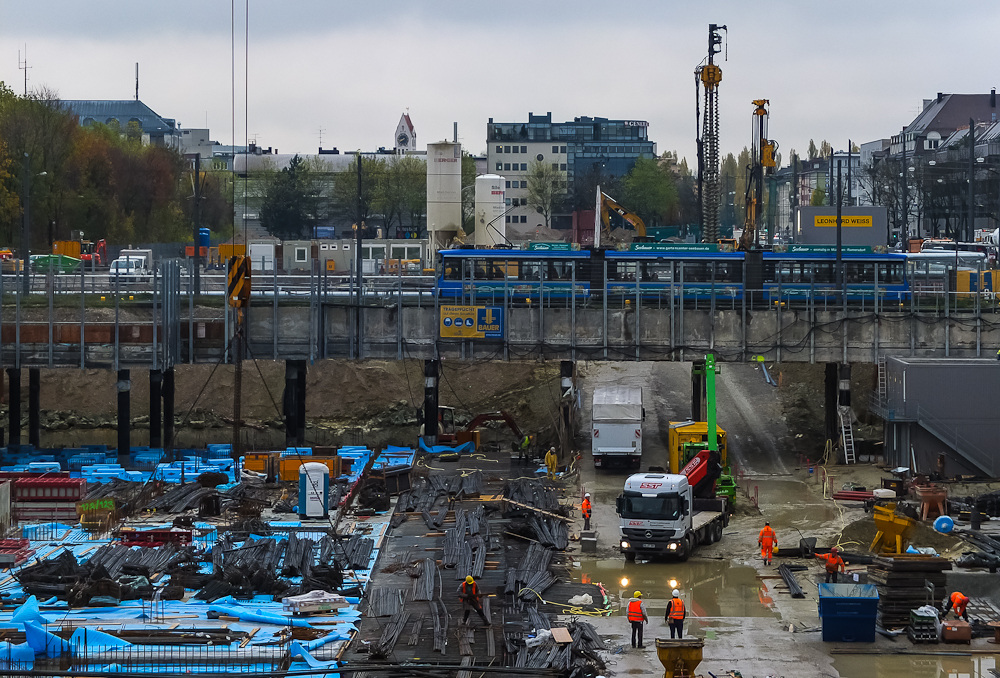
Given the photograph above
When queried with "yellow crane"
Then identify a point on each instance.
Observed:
(762, 162)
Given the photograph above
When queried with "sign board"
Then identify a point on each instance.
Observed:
(674, 247)
(471, 322)
(550, 247)
(829, 249)
(860, 225)
(853, 221)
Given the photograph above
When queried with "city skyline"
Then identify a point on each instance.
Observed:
(350, 71)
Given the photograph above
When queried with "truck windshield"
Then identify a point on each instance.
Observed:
(660, 507)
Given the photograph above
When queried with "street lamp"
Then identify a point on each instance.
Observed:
(26, 221)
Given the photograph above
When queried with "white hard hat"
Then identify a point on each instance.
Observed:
(676, 593)
(586, 494)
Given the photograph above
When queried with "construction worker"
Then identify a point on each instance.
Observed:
(586, 509)
(834, 563)
(959, 601)
(469, 593)
(767, 540)
(637, 617)
(676, 614)
(524, 449)
(551, 463)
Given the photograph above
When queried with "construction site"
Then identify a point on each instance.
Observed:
(353, 559)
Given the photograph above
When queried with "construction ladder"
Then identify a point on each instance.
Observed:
(883, 386)
(847, 434)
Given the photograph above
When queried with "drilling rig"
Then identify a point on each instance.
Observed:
(709, 75)
(762, 162)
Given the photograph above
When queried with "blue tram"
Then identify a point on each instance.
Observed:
(523, 276)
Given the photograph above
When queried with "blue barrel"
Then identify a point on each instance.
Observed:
(204, 238)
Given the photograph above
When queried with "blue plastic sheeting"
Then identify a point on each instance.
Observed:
(259, 616)
(28, 612)
(464, 448)
(43, 642)
(19, 655)
(299, 652)
(84, 637)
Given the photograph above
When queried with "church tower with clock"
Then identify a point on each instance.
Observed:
(406, 136)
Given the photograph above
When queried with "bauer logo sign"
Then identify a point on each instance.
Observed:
(471, 322)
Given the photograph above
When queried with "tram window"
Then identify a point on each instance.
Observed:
(528, 271)
(824, 272)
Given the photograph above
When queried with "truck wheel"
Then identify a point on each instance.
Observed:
(717, 533)
(630, 556)
(684, 552)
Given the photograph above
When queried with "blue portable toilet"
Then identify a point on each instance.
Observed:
(204, 238)
(314, 490)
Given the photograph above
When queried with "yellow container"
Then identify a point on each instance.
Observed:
(289, 466)
(894, 530)
(679, 657)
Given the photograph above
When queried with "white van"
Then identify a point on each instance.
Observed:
(129, 269)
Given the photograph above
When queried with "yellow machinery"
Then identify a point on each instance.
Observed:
(683, 433)
(894, 530)
(762, 159)
(679, 657)
(607, 206)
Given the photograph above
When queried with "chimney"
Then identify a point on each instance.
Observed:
(940, 97)
(993, 98)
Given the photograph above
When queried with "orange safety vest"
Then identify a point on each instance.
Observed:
(676, 609)
(635, 611)
(585, 507)
(833, 563)
(959, 599)
(474, 595)
(767, 535)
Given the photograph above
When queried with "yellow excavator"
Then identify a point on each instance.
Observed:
(606, 205)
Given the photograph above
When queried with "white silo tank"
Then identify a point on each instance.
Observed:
(444, 192)
(490, 206)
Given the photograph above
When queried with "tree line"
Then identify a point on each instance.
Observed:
(99, 179)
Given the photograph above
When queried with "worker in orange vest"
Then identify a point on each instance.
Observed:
(959, 601)
(586, 509)
(767, 541)
(637, 617)
(834, 563)
(675, 615)
(468, 592)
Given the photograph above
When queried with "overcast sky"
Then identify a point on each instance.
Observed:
(832, 70)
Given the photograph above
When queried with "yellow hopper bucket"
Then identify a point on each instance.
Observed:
(893, 534)
(679, 657)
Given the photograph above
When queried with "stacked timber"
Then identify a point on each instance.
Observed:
(904, 583)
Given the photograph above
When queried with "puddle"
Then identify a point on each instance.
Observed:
(711, 588)
(902, 666)
(811, 510)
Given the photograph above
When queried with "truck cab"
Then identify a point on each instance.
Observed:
(658, 516)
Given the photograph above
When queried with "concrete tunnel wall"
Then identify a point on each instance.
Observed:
(647, 334)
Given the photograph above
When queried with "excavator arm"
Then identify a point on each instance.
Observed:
(608, 205)
(480, 419)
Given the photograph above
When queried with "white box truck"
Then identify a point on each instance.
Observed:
(659, 516)
(616, 426)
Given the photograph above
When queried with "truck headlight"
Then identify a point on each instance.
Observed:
(673, 546)
(625, 544)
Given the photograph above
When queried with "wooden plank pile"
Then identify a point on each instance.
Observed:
(902, 583)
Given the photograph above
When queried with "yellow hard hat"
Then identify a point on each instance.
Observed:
(469, 579)
(637, 594)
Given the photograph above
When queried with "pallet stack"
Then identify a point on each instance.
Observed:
(902, 585)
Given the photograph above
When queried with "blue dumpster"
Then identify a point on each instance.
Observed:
(848, 612)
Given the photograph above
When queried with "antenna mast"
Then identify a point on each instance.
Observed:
(23, 66)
